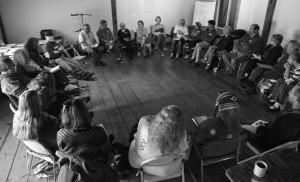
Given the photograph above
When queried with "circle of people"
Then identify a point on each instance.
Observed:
(61, 122)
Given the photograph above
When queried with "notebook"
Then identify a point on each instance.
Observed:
(265, 66)
(199, 119)
(259, 123)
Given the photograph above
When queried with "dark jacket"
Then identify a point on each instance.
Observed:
(284, 129)
(225, 43)
(209, 36)
(13, 84)
(249, 45)
(271, 54)
(122, 35)
(51, 47)
(31, 46)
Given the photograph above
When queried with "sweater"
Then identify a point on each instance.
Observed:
(225, 43)
(87, 143)
(104, 34)
(209, 35)
(284, 129)
(248, 44)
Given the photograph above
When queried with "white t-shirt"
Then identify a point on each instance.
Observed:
(180, 31)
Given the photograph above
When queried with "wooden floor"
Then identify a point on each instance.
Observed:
(122, 94)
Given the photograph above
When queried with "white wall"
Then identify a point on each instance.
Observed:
(131, 11)
(25, 18)
(252, 11)
(286, 20)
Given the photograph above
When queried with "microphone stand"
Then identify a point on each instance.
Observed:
(81, 17)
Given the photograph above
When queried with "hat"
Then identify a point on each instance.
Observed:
(48, 33)
(227, 101)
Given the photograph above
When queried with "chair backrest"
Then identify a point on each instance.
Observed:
(70, 51)
(36, 146)
(221, 147)
(43, 33)
(163, 165)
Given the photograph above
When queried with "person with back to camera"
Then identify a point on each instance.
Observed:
(159, 135)
(225, 124)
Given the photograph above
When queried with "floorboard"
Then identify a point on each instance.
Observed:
(122, 94)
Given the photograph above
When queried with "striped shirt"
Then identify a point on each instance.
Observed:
(87, 143)
(294, 77)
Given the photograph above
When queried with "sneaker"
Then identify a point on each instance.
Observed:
(162, 54)
(119, 61)
(207, 68)
(186, 56)
(172, 55)
(177, 56)
(88, 75)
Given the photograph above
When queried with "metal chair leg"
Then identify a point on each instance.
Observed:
(182, 172)
(202, 175)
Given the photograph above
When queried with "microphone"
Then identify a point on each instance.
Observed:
(74, 14)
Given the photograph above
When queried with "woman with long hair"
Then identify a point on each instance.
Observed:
(30, 123)
(159, 135)
(21, 57)
(78, 137)
(225, 124)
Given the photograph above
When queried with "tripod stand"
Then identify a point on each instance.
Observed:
(81, 17)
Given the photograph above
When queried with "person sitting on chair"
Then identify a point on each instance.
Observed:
(224, 45)
(21, 57)
(282, 86)
(208, 37)
(180, 32)
(225, 124)
(193, 39)
(159, 135)
(243, 49)
(106, 38)
(277, 71)
(78, 137)
(54, 52)
(12, 83)
(285, 128)
(142, 37)
(158, 32)
(30, 123)
(89, 44)
(124, 37)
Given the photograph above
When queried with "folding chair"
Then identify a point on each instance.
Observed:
(291, 144)
(36, 149)
(217, 151)
(162, 168)
(71, 52)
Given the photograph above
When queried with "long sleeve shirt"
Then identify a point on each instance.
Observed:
(226, 43)
(88, 143)
(51, 47)
(104, 35)
(86, 40)
(284, 129)
(249, 45)
(13, 84)
(271, 54)
(209, 35)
